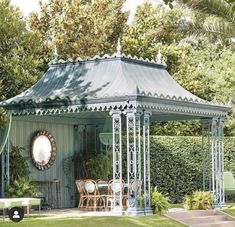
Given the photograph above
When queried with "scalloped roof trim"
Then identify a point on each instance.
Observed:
(106, 56)
(183, 99)
(110, 106)
(149, 94)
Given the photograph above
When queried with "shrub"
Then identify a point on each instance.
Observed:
(176, 164)
(199, 200)
(22, 188)
(19, 167)
(94, 166)
(160, 203)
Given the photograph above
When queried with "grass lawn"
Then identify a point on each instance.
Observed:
(230, 208)
(230, 211)
(154, 220)
(177, 205)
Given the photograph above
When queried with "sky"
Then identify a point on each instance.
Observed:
(28, 6)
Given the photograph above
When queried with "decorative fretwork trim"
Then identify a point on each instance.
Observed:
(201, 110)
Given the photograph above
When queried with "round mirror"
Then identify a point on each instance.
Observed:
(43, 150)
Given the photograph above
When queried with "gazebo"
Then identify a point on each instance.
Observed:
(82, 93)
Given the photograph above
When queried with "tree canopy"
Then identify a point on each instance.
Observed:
(18, 45)
(18, 61)
(218, 19)
(79, 28)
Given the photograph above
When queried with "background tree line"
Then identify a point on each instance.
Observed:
(196, 39)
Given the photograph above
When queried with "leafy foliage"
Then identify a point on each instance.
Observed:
(172, 156)
(18, 60)
(160, 203)
(219, 18)
(21, 188)
(94, 166)
(176, 128)
(79, 28)
(18, 63)
(152, 26)
(199, 200)
(3, 117)
(229, 154)
(19, 167)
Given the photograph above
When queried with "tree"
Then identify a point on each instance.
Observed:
(170, 3)
(3, 118)
(79, 28)
(192, 62)
(151, 27)
(18, 62)
(219, 18)
(212, 18)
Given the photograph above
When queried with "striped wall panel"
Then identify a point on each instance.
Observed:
(21, 135)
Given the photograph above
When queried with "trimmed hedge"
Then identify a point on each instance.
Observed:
(176, 164)
(229, 154)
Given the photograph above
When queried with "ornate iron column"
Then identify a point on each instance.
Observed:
(5, 168)
(217, 152)
(206, 155)
(4, 154)
(117, 160)
(133, 161)
(146, 151)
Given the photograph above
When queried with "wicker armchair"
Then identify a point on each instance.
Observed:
(82, 194)
(92, 194)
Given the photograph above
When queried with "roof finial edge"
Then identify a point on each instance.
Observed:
(55, 55)
(119, 48)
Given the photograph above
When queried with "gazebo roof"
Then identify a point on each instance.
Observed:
(109, 82)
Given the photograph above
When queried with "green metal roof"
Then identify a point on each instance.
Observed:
(108, 82)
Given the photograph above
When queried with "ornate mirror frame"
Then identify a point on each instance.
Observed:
(43, 149)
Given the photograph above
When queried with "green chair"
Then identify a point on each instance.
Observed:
(229, 183)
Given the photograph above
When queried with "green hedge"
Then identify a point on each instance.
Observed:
(229, 154)
(176, 164)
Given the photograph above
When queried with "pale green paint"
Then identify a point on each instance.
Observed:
(21, 134)
(70, 138)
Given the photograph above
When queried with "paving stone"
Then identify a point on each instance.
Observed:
(202, 218)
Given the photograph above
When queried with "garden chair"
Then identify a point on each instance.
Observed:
(82, 194)
(229, 183)
(92, 194)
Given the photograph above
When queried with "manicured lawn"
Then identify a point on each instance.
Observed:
(177, 205)
(154, 220)
(230, 211)
(230, 208)
(230, 204)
